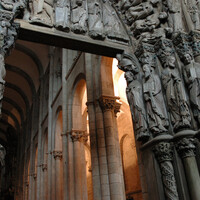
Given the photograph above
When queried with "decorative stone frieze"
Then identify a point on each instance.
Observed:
(164, 154)
(57, 155)
(79, 136)
(186, 147)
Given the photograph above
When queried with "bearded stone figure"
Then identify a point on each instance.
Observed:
(176, 97)
(135, 98)
(191, 72)
(155, 105)
(79, 16)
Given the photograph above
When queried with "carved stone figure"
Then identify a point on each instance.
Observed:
(175, 94)
(79, 16)
(194, 13)
(42, 12)
(135, 98)
(173, 8)
(138, 12)
(95, 19)
(62, 14)
(113, 27)
(192, 78)
(124, 5)
(156, 111)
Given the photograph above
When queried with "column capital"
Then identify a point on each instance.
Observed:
(107, 102)
(186, 147)
(163, 151)
(57, 154)
(79, 136)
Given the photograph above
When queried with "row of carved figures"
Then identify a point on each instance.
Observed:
(159, 96)
(95, 17)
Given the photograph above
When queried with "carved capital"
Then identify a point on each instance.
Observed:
(117, 107)
(79, 136)
(44, 167)
(107, 102)
(163, 152)
(34, 175)
(186, 147)
(57, 155)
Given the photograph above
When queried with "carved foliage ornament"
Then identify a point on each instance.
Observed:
(79, 136)
(186, 147)
(163, 151)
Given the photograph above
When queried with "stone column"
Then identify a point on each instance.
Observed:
(26, 190)
(44, 194)
(164, 154)
(115, 183)
(186, 150)
(78, 138)
(58, 156)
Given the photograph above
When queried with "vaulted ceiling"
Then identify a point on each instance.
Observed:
(25, 67)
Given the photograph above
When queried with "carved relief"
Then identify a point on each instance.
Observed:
(113, 27)
(95, 19)
(62, 15)
(79, 16)
(57, 155)
(134, 94)
(42, 12)
(107, 103)
(173, 8)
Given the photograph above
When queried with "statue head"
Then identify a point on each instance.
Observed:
(128, 65)
(187, 58)
(170, 61)
(129, 76)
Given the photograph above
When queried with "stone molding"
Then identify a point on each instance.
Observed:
(57, 155)
(79, 136)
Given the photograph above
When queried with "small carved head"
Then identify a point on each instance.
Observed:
(128, 76)
(187, 58)
(170, 61)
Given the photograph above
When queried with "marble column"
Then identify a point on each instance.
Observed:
(115, 183)
(164, 154)
(58, 183)
(186, 150)
(78, 138)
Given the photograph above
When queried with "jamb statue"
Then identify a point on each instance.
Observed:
(175, 94)
(135, 98)
(191, 72)
(156, 110)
